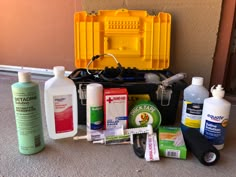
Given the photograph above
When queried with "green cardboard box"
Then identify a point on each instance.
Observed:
(171, 142)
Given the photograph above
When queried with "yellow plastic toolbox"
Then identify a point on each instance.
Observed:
(134, 37)
(140, 43)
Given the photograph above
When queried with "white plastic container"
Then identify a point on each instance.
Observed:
(215, 117)
(61, 105)
(194, 96)
(94, 110)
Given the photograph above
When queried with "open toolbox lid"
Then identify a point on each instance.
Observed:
(134, 37)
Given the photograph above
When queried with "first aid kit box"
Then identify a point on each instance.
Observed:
(115, 108)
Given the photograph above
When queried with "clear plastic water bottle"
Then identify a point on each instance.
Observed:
(194, 96)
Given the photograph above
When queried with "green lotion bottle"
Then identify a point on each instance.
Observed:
(27, 107)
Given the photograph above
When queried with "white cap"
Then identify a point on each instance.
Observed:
(94, 94)
(80, 137)
(218, 91)
(99, 142)
(24, 76)
(59, 70)
(150, 129)
(197, 81)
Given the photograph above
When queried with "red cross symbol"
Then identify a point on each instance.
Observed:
(109, 100)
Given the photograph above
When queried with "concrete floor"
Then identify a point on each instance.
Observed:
(70, 158)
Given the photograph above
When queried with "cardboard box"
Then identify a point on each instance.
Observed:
(171, 143)
(115, 108)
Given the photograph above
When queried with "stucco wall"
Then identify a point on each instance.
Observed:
(39, 33)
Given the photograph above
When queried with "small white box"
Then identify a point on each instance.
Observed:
(115, 108)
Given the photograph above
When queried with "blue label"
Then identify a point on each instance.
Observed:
(95, 126)
(122, 118)
(117, 120)
(214, 132)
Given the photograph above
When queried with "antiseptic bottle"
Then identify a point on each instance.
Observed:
(194, 96)
(60, 99)
(27, 107)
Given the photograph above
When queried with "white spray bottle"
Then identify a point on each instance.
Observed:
(215, 117)
(94, 109)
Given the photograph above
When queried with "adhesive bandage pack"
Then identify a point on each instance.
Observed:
(115, 108)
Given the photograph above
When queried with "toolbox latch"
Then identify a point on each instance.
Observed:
(164, 95)
(82, 93)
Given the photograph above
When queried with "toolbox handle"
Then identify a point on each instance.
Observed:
(122, 12)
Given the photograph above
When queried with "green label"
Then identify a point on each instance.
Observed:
(96, 117)
(28, 119)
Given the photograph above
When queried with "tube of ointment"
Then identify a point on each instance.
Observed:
(151, 151)
(93, 135)
(112, 140)
(114, 131)
(100, 134)
(139, 130)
